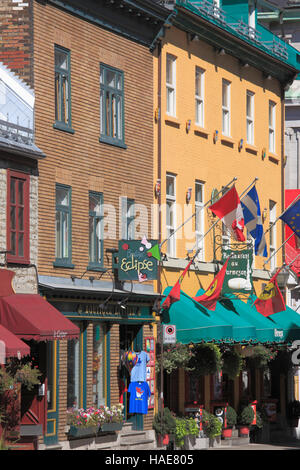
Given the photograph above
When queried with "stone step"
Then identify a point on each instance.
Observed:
(143, 444)
(132, 433)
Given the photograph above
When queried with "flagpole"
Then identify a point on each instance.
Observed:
(278, 249)
(193, 215)
(292, 203)
(253, 182)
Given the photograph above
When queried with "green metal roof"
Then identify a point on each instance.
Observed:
(194, 323)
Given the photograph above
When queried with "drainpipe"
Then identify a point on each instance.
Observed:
(282, 165)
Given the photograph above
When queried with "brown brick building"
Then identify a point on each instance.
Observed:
(91, 67)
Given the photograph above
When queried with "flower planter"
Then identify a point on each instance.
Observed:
(243, 431)
(215, 441)
(227, 433)
(83, 432)
(111, 427)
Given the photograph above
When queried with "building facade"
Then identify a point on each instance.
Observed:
(219, 95)
(92, 72)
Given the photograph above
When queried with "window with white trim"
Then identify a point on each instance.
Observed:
(171, 84)
(199, 96)
(272, 123)
(226, 107)
(250, 117)
(171, 214)
(199, 218)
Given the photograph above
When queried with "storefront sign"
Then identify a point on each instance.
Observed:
(113, 311)
(238, 277)
(135, 260)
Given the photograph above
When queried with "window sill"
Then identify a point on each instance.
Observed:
(18, 261)
(96, 268)
(115, 143)
(63, 127)
(273, 158)
(63, 264)
(198, 130)
(226, 140)
(251, 149)
(172, 121)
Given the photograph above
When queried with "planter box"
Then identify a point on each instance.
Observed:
(83, 432)
(244, 431)
(215, 441)
(110, 427)
(195, 443)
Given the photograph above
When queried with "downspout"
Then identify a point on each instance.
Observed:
(282, 165)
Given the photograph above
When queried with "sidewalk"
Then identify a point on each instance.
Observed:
(275, 446)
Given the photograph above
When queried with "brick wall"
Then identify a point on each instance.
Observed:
(79, 158)
(16, 37)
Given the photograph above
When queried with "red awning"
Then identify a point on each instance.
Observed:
(29, 316)
(11, 345)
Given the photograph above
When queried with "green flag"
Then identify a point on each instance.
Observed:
(155, 252)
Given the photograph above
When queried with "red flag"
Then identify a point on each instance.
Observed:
(210, 297)
(174, 294)
(229, 209)
(270, 300)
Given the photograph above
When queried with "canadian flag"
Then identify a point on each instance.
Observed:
(229, 209)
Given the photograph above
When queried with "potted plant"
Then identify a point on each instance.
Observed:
(293, 412)
(111, 419)
(232, 363)
(83, 422)
(164, 426)
(212, 427)
(206, 359)
(231, 419)
(245, 420)
(192, 433)
(181, 431)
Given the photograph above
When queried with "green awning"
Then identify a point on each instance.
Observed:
(243, 330)
(286, 324)
(194, 323)
(267, 330)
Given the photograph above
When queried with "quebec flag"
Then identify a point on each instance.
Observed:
(253, 222)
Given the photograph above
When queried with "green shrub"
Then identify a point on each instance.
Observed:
(181, 431)
(246, 416)
(192, 426)
(212, 426)
(166, 425)
(231, 416)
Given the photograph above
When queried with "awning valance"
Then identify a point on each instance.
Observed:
(194, 323)
(29, 316)
(12, 345)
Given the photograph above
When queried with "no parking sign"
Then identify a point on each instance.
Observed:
(169, 334)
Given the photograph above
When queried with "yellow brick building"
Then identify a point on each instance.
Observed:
(219, 115)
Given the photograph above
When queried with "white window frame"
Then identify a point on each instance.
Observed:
(250, 117)
(199, 96)
(272, 126)
(272, 231)
(171, 85)
(199, 220)
(226, 92)
(171, 202)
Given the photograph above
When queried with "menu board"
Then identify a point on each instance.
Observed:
(149, 347)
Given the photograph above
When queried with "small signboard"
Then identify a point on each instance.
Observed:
(136, 261)
(238, 277)
(169, 334)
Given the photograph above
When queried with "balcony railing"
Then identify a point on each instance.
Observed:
(260, 36)
(16, 133)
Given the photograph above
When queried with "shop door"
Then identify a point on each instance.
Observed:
(33, 402)
(131, 339)
(51, 436)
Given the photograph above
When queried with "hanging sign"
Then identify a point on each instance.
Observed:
(136, 261)
(238, 277)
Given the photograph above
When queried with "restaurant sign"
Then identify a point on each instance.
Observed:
(136, 261)
(238, 277)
